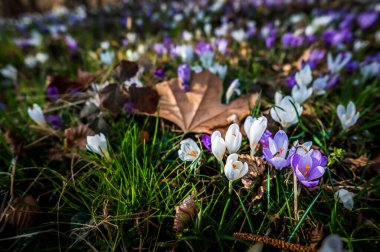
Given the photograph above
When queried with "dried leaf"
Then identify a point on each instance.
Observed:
(256, 178)
(23, 212)
(77, 137)
(112, 97)
(63, 84)
(186, 210)
(144, 99)
(100, 125)
(125, 70)
(89, 112)
(316, 235)
(199, 110)
(86, 78)
(357, 163)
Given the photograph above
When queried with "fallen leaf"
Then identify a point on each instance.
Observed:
(77, 137)
(200, 109)
(144, 99)
(125, 70)
(186, 210)
(297, 64)
(22, 212)
(112, 97)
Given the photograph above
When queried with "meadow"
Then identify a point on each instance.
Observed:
(191, 126)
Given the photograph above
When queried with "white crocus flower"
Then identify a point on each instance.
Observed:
(107, 57)
(219, 70)
(132, 55)
(189, 150)
(42, 57)
(98, 145)
(370, 70)
(247, 125)
(286, 112)
(37, 115)
(304, 77)
(30, 61)
(257, 129)
(277, 97)
(239, 35)
(301, 93)
(233, 138)
(337, 64)
(185, 52)
(233, 88)
(345, 197)
(347, 116)
(332, 243)
(9, 72)
(207, 59)
(218, 146)
(235, 169)
(320, 84)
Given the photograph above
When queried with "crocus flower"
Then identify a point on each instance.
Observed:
(233, 88)
(291, 81)
(98, 145)
(337, 64)
(54, 120)
(332, 243)
(286, 112)
(309, 167)
(367, 19)
(203, 47)
(184, 74)
(52, 92)
(345, 197)
(315, 56)
(218, 146)
(301, 149)
(207, 59)
(304, 77)
(301, 93)
(222, 45)
(264, 140)
(107, 57)
(219, 70)
(159, 73)
(347, 116)
(239, 35)
(255, 128)
(320, 85)
(185, 52)
(206, 141)
(235, 169)
(71, 43)
(292, 40)
(9, 72)
(37, 115)
(233, 138)
(370, 70)
(159, 48)
(277, 150)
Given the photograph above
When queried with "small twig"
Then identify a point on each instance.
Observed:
(274, 242)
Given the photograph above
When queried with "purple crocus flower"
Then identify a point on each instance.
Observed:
(159, 48)
(206, 141)
(333, 81)
(52, 93)
(291, 81)
(276, 152)
(159, 73)
(337, 37)
(367, 19)
(269, 41)
(291, 40)
(309, 167)
(264, 140)
(54, 120)
(184, 74)
(129, 107)
(124, 42)
(222, 45)
(71, 43)
(203, 47)
(352, 66)
(315, 56)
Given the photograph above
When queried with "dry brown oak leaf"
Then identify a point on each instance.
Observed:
(200, 110)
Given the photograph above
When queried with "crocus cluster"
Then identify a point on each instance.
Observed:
(308, 165)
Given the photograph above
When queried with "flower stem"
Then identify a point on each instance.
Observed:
(230, 187)
(221, 164)
(295, 197)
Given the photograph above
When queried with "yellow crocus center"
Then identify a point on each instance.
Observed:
(234, 166)
(192, 153)
(307, 168)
